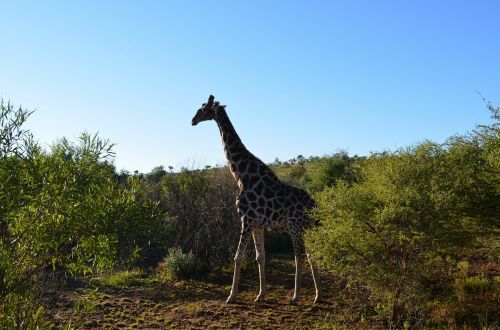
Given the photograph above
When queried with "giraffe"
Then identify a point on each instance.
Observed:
(263, 202)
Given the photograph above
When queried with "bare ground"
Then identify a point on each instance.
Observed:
(200, 304)
(147, 302)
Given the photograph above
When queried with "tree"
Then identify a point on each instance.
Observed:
(156, 174)
(411, 210)
(63, 210)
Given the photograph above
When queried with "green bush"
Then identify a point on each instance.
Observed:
(412, 210)
(75, 213)
(63, 210)
(179, 265)
(332, 169)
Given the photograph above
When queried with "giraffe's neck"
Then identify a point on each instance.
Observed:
(233, 147)
(243, 164)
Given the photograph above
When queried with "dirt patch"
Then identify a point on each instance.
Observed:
(200, 304)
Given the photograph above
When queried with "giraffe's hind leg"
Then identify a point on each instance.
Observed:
(260, 253)
(240, 254)
(317, 282)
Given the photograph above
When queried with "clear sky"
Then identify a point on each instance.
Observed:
(299, 77)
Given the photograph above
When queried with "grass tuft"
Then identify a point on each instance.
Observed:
(120, 279)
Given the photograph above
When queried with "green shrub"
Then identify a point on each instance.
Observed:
(179, 265)
(63, 210)
(411, 211)
(332, 169)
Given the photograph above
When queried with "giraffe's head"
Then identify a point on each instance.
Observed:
(207, 111)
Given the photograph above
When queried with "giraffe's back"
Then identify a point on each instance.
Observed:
(275, 204)
(298, 204)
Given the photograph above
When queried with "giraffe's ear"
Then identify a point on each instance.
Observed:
(223, 106)
(210, 100)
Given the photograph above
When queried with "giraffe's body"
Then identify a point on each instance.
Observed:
(263, 202)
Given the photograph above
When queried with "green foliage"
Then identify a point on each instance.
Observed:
(331, 170)
(297, 175)
(179, 265)
(465, 284)
(14, 140)
(410, 211)
(156, 174)
(63, 210)
(75, 212)
(317, 173)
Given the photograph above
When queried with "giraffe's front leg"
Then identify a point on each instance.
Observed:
(260, 253)
(299, 250)
(240, 254)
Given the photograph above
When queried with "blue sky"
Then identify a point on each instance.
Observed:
(299, 77)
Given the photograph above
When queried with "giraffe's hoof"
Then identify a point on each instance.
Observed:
(259, 299)
(294, 301)
(318, 299)
(230, 300)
